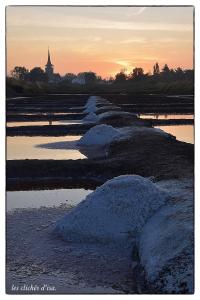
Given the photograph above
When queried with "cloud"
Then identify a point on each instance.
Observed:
(136, 12)
(133, 40)
(83, 22)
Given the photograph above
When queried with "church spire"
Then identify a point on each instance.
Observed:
(49, 59)
(49, 68)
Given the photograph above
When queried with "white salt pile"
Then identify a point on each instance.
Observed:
(106, 108)
(90, 108)
(99, 135)
(90, 105)
(91, 118)
(166, 241)
(91, 100)
(136, 132)
(114, 212)
(113, 113)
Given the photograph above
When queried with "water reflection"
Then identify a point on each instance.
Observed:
(42, 123)
(166, 116)
(47, 198)
(24, 147)
(183, 133)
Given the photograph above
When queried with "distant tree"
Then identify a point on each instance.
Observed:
(138, 73)
(90, 77)
(56, 77)
(165, 69)
(37, 74)
(179, 73)
(120, 77)
(99, 78)
(189, 74)
(69, 77)
(19, 73)
(156, 69)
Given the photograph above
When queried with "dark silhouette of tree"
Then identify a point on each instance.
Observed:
(37, 74)
(179, 74)
(69, 77)
(120, 77)
(89, 77)
(19, 73)
(56, 77)
(165, 69)
(138, 73)
(189, 74)
(156, 69)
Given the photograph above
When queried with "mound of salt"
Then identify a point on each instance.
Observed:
(114, 212)
(90, 108)
(91, 118)
(99, 135)
(138, 131)
(107, 108)
(166, 247)
(91, 99)
(115, 114)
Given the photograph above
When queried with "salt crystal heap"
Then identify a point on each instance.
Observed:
(90, 118)
(114, 212)
(99, 135)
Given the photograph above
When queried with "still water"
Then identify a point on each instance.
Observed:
(166, 116)
(184, 133)
(42, 123)
(42, 147)
(45, 198)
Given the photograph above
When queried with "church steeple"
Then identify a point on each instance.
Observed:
(49, 67)
(49, 59)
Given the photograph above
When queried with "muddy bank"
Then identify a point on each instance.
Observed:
(159, 157)
(153, 103)
(134, 103)
(44, 117)
(48, 130)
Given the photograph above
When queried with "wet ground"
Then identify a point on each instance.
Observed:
(66, 267)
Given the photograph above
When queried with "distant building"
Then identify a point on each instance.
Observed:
(49, 68)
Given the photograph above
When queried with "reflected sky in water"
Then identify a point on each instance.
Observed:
(166, 116)
(41, 123)
(24, 147)
(47, 198)
(184, 133)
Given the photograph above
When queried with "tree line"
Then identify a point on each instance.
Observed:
(158, 74)
(165, 73)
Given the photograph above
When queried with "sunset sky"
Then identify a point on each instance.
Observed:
(100, 39)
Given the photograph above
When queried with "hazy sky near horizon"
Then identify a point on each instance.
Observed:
(100, 39)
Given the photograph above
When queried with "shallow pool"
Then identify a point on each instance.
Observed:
(166, 116)
(42, 123)
(45, 198)
(42, 147)
(184, 133)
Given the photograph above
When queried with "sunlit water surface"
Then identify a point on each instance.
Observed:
(166, 116)
(183, 133)
(45, 198)
(42, 123)
(40, 147)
